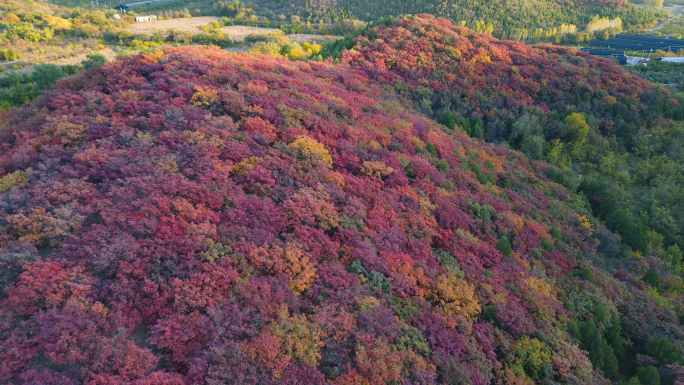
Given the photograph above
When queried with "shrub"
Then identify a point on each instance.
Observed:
(94, 60)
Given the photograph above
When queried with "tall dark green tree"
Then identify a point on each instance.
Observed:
(504, 246)
(94, 59)
(664, 351)
(476, 130)
(652, 278)
(601, 354)
(649, 376)
(46, 75)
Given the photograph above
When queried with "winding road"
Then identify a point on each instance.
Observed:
(675, 15)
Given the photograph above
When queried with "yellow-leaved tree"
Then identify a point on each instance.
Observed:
(308, 148)
(531, 358)
(299, 339)
(302, 273)
(455, 296)
(578, 128)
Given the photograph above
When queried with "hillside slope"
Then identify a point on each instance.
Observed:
(504, 16)
(190, 216)
(448, 68)
(587, 116)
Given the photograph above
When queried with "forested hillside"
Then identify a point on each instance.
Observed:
(547, 20)
(428, 205)
(587, 116)
(30, 29)
(191, 216)
(505, 18)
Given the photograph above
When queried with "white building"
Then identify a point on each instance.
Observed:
(142, 19)
(677, 59)
(116, 16)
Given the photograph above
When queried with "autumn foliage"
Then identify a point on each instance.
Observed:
(460, 76)
(192, 216)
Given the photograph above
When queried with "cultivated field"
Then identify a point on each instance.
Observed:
(240, 32)
(193, 24)
(302, 37)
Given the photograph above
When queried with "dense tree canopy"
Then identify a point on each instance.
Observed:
(586, 116)
(191, 216)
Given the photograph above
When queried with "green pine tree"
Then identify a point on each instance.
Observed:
(504, 246)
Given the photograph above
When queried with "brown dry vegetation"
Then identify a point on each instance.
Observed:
(194, 24)
(191, 24)
(302, 37)
(240, 32)
(109, 53)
